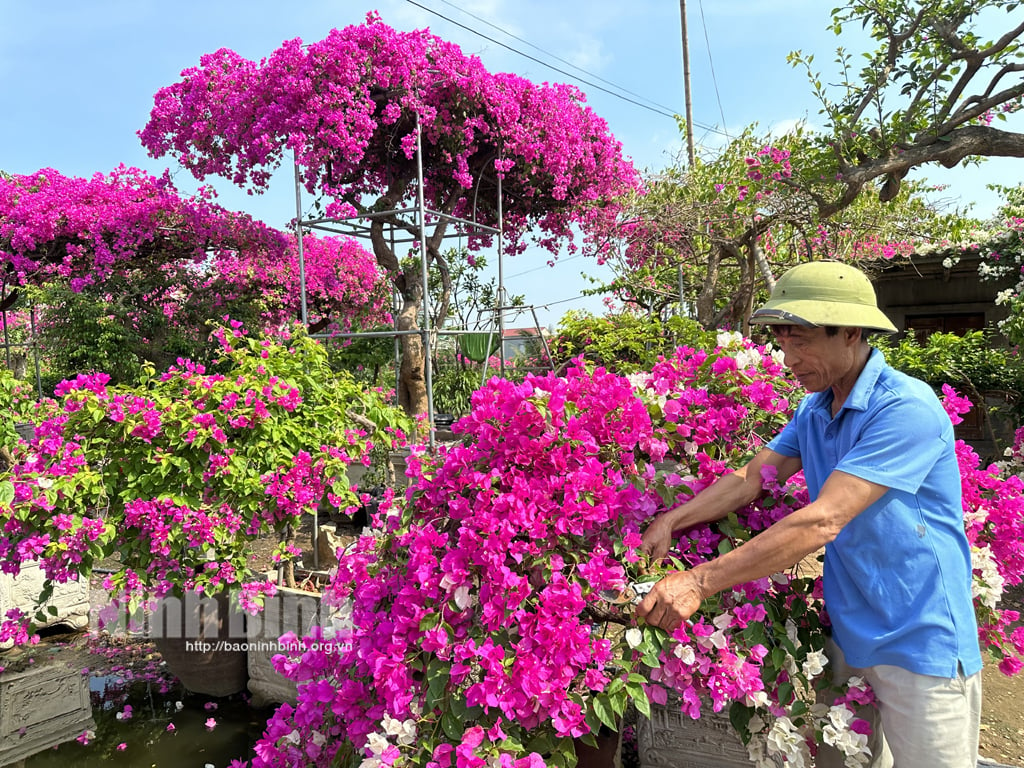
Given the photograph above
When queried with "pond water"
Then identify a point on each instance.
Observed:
(167, 730)
(143, 717)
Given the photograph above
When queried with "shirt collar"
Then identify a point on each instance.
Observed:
(862, 388)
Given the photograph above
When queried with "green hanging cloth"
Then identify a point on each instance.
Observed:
(478, 346)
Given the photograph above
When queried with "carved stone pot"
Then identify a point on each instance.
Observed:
(41, 707)
(290, 610)
(69, 604)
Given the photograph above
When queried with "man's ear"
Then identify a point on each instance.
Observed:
(853, 335)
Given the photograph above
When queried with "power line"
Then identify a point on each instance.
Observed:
(711, 62)
(543, 266)
(555, 56)
(450, 20)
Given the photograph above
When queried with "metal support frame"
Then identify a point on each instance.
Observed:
(356, 226)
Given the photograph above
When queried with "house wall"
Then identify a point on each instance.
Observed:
(927, 296)
(925, 287)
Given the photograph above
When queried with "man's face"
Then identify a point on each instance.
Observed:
(817, 360)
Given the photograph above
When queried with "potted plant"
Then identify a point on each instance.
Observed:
(168, 482)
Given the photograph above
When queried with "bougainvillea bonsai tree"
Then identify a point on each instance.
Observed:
(491, 621)
(355, 108)
(177, 475)
(122, 269)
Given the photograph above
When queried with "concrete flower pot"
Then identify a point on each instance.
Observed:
(203, 642)
(69, 604)
(290, 610)
(41, 707)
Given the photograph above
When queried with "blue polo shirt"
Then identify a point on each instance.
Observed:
(897, 578)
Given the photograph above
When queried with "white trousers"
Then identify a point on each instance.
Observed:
(920, 721)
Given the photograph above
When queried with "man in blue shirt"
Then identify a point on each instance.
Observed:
(877, 451)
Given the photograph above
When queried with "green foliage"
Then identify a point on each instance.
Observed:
(625, 343)
(971, 363)
(926, 77)
(9, 388)
(454, 385)
(710, 229)
(132, 318)
(368, 359)
(970, 360)
(247, 451)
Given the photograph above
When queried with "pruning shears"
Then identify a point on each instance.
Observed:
(632, 594)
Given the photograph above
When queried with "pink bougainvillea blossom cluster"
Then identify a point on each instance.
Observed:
(486, 619)
(82, 229)
(343, 284)
(347, 108)
(54, 227)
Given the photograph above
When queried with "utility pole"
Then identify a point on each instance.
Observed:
(690, 153)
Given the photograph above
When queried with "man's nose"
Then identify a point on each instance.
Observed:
(789, 355)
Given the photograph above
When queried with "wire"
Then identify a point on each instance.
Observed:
(555, 56)
(543, 266)
(556, 69)
(711, 62)
(563, 301)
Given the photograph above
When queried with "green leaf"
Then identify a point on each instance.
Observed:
(651, 660)
(453, 728)
(739, 716)
(640, 700)
(601, 706)
(785, 693)
(778, 657)
(543, 743)
(437, 677)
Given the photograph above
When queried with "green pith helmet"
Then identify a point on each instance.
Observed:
(824, 293)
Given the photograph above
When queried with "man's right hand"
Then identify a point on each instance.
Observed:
(657, 539)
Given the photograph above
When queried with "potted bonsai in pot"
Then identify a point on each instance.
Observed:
(167, 482)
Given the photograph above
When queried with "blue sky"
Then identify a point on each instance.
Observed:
(78, 80)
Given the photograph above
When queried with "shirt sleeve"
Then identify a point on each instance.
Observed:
(787, 442)
(899, 444)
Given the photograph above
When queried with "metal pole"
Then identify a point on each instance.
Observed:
(543, 338)
(35, 350)
(305, 325)
(501, 284)
(691, 154)
(298, 238)
(427, 372)
(7, 340)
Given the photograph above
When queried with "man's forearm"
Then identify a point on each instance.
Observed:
(729, 493)
(775, 549)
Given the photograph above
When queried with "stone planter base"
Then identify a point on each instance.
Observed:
(671, 739)
(71, 599)
(290, 610)
(40, 708)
